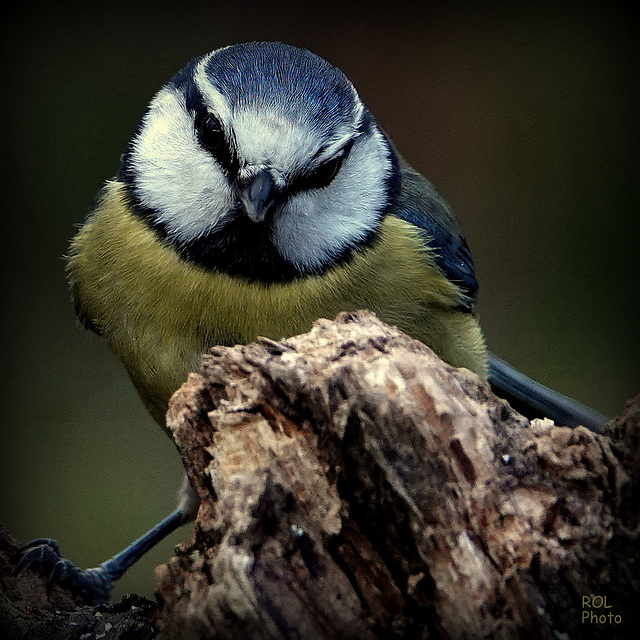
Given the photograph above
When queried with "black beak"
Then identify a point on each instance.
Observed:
(257, 195)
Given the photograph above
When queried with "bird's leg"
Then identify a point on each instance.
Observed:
(95, 585)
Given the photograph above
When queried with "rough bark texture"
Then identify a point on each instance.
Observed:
(354, 486)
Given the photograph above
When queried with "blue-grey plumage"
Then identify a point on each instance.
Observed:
(257, 195)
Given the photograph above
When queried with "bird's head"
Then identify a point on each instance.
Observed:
(261, 161)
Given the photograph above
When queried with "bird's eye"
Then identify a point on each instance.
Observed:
(211, 134)
(323, 175)
(211, 137)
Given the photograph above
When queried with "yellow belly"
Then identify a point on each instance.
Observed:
(159, 312)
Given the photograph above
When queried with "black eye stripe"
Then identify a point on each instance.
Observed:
(323, 175)
(212, 137)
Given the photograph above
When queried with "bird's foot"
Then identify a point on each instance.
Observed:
(92, 585)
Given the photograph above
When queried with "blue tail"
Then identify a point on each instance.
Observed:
(534, 400)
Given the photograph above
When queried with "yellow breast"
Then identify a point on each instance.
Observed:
(159, 312)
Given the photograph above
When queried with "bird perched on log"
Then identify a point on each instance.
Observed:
(258, 194)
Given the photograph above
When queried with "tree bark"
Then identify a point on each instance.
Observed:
(353, 485)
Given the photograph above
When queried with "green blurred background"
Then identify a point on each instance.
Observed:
(526, 119)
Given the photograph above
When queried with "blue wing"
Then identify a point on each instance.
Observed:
(421, 205)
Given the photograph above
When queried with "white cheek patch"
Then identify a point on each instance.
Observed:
(173, 175)
(315, 226)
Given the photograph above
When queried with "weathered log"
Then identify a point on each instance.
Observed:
(355, 486)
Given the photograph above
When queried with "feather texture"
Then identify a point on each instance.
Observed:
(159, 312)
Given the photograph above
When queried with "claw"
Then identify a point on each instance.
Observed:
(64, 572)
(94, 585)
(42, 551)
(48, 542)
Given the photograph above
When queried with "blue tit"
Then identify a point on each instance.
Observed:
(258, 194)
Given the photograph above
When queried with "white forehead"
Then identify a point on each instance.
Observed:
(268, 135)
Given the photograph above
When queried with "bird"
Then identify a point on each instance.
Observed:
(258, 194)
